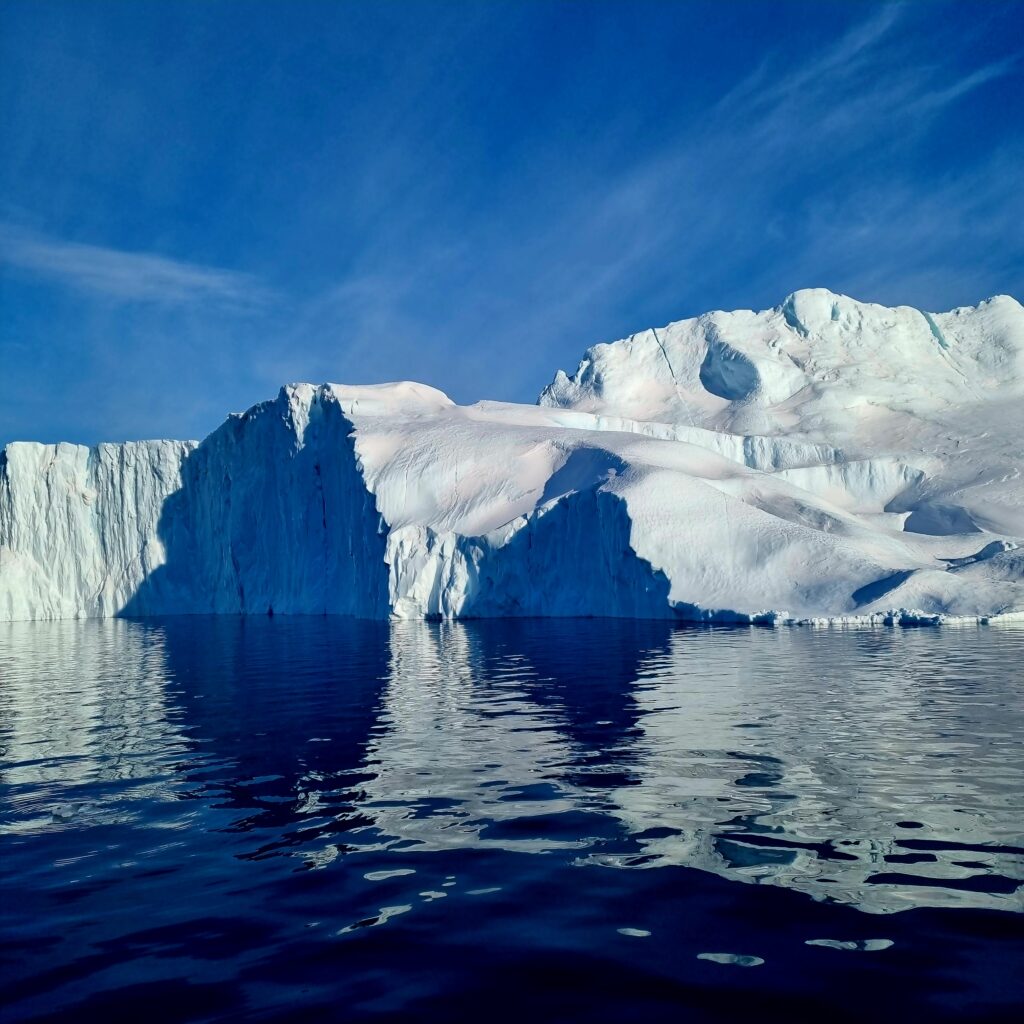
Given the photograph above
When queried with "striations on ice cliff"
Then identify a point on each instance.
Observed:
(824, 460)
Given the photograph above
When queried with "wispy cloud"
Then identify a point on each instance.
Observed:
(834, 127)
(939, 98)
(876, 79)
(129, 276)
(766, 88)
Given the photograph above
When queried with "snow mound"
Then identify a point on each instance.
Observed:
(819, 366)
(824, 461)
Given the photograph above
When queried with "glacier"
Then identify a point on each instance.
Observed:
(823, 461)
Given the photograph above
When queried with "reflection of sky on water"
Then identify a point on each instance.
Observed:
(877, 768)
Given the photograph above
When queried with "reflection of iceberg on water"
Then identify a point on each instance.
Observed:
(457, 756)
(847, 789)
(869, 768)
(85, 704)
(851, 790)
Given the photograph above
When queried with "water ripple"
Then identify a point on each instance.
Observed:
(877, 770)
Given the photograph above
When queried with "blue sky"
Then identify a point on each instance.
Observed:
(200, 201)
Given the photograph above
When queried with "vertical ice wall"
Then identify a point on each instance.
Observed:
(268, 514)
(78, 526)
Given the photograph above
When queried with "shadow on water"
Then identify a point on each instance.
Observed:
(212, 817)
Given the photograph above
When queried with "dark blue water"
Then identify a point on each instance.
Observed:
(315, 819)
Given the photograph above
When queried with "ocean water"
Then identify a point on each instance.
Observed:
(273, 819)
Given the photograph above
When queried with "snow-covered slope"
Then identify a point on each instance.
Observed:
(825, 459)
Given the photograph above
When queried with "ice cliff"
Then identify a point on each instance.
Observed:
(824, 460)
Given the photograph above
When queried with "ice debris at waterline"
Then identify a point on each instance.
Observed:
(826, 460)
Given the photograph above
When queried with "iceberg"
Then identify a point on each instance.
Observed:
(823, 461)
